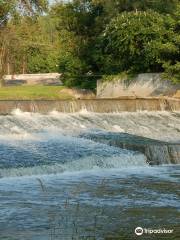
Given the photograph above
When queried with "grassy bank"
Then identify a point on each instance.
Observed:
(33, 93)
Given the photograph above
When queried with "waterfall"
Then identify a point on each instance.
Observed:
(49, 155)
(34, 143)
(99, 106)
(84, 164)
(157, 152)
(163, 126)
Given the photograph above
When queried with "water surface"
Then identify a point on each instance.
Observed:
(55, 184)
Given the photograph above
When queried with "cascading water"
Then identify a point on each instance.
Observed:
(92, 105)
(163, 126)
(62, 169)
(50, 156)
(33, 143)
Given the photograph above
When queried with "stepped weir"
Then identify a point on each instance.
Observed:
(93, 105)
(108, 134)
(156, 152)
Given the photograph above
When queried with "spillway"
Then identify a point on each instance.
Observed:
(94, 105)
(34, 143)
(88, 169)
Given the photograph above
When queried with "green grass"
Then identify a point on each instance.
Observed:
(33, 93)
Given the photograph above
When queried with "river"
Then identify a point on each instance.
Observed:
(56, 182)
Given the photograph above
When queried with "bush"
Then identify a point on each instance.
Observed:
(138, 42)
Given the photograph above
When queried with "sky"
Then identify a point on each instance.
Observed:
(53, 1)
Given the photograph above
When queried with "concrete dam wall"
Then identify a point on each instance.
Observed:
(98, 106)
(143, 85)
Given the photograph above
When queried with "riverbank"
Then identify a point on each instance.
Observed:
(40, 92)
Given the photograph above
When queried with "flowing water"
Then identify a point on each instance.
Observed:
(56, 183)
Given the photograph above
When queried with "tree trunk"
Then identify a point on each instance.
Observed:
(2, 63)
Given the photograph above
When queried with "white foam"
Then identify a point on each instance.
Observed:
(84, 164)
(18, 113)
(156, 125)
(118, 128)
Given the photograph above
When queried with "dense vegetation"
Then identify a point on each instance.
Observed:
(87, 39)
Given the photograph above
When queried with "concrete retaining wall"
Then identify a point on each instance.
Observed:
(143, 85)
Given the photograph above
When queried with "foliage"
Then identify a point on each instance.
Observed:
(9, 11)
(172, 71)
(79, 26)
(114, 7)
(115, 77)
(123, 76)
(171, 51)
(32, 45)
(5, 9)
(136, 41)
(26, 6)
(87, 39)
(108, 37)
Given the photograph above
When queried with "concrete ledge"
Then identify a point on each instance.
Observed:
(157, 152)
(91, 105)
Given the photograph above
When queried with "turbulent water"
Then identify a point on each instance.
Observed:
(56, 184)
(25, 125)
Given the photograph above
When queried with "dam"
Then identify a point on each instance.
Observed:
(91, 105)
(68, 168)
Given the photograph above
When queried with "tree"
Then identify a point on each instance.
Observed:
(32, 45)
(139, 38)
(171, 52)
(138, 42)
(88, 38)
(9, 10)
(78, 27)
(114, 7)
